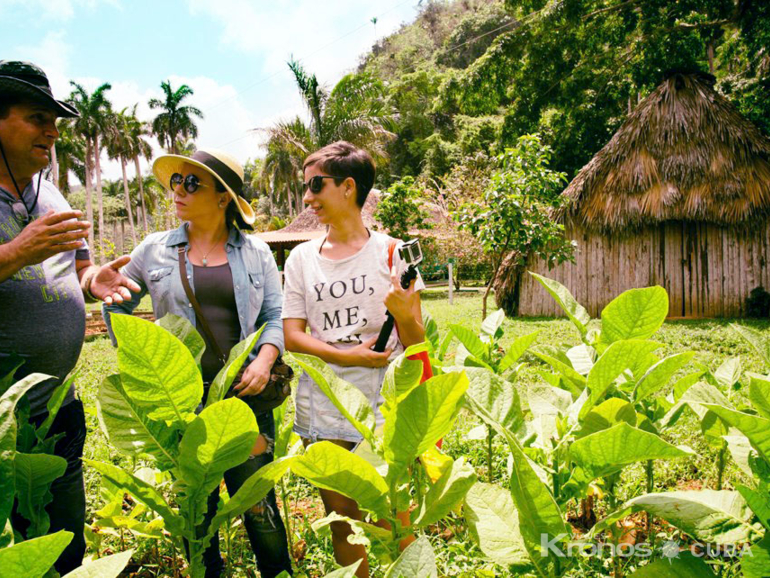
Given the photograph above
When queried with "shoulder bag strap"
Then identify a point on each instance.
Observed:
(207, 334)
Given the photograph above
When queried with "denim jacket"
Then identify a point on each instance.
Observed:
(155, 268)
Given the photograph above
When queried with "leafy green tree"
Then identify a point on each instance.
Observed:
(399, 208)
(120, 146)
(514, 218)
(175, 120)
(70, 155)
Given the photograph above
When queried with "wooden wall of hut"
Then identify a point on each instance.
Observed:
(707, 270)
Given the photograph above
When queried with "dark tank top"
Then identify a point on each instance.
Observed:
(214, 291)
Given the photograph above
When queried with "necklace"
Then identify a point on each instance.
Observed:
(204, 262)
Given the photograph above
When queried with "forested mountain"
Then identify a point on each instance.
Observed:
(472, 76)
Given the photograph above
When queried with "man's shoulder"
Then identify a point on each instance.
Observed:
(50, 193)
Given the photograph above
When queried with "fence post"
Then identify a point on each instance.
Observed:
(451, 281)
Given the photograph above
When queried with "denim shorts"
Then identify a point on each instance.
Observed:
(315, 415)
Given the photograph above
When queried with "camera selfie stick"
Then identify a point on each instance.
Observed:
(382, 339)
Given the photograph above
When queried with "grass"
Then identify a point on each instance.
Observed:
(712, 340)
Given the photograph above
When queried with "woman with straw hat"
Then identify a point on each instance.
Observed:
(234, 279)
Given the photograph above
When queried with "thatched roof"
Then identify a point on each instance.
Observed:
(685, 153)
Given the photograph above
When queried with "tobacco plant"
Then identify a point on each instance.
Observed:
(492, 372)
(148, 410)
(383, 476)
(28, 481)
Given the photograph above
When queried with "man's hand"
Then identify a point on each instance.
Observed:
(255, 377)
(110, 285)
(49, 235)
(363, 356)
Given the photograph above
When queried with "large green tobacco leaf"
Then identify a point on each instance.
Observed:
(582, 357)
(446, 493)
(346, 397)
(544, 399)
(756, 562)
(608, 414)
(8, 402)
(492, 323)
(755, 339)
(331, 467)
(472, 342)
(378, 541)
(142, 492)
(659, 374)
(619, 357)
(157, 370)
(697, 397)
(575, 381)
(538, 513)
(717, 517)
(256, 487)
(34, 475)
(634, 314)
(54, 405)
(402, 375)
(574, 310)
(128, 428)
(218, 439)
(421, 419)
(417, 561)
(497, 395)
(105, 567)
(759, 502)
(494, 524)
(684, 565)
(516, 350)
(235, 360)
(759, 394)
(33, 558)
(729, 373)
(756, 428)
(609, 450)
(184, 331)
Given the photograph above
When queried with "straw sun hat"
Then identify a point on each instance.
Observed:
(218, 164)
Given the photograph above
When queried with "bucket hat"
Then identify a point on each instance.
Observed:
(223, 167)
(26, 79)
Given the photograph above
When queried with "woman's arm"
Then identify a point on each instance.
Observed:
(132, 271)
(360, 355)
(270, 313)
(404, 305)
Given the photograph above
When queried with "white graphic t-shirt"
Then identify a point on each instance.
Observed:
(342, 302)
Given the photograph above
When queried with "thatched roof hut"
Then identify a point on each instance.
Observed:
(679, 197)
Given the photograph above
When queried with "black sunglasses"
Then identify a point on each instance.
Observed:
(316, 183)
(191, 182)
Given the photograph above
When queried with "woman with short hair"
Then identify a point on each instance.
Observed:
(340, 287)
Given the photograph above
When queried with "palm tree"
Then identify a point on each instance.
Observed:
(355, 110)
(120, 147)
(175, 120)
(95, 110)
(138, 147)
(70, 151)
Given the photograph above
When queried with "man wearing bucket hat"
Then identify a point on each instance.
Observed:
(226, 283)
(45, 270)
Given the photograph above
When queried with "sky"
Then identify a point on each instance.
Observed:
(232, 53)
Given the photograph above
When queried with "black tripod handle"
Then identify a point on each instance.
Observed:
(387, 327)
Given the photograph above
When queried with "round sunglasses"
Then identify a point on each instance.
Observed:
(316, 183)
(191, 182)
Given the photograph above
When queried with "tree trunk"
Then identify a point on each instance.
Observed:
(141, 193)
(128, 201)
(89, 207)
(99, 197)
(508, 284)
(289, 196)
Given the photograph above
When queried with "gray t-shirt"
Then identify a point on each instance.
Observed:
(42, 311)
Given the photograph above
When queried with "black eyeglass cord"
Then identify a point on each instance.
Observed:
(16, 185)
